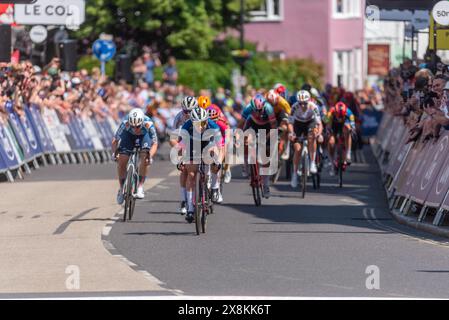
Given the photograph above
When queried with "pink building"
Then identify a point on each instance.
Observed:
(329, 31)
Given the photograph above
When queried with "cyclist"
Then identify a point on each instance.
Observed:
(259, 114)
(204, 102)
(304, 120)
(340, 120)
(135, 126)
(217, 116)
(198, 124)
(282, 110)
(280, 89)
(187, 105)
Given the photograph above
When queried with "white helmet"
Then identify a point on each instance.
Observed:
(189, 103)
(135, 117)
(315, 92)
(303, 96)
(272, 96)
(199, 115)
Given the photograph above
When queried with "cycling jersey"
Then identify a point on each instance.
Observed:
(210, 135)
(261, 118)
(223, 127)
(282, 105)
(180, 119)
(128, 135)
(147, 127)
(332, 119)
(311, 113)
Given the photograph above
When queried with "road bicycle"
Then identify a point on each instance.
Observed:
(131, 183)
(203, 199)
(305, 164)
(340, 161)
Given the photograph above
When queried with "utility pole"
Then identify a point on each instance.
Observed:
(242, 32)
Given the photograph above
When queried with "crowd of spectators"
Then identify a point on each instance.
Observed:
(421, 96)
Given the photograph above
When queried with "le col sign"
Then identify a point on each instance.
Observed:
(70, 13)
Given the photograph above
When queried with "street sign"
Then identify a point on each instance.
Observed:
(440, 13)
(51, 12)
(38, 34)
(104, 50)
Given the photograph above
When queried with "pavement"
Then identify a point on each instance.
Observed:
(62, 224)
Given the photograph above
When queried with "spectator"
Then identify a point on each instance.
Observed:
(171, 72)
(151, 62)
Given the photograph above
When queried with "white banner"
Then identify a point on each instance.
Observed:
(56, 130)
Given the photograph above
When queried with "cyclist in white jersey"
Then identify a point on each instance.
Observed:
(304, 120)
(188, 104)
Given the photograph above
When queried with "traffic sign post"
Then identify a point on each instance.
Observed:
(104, 50)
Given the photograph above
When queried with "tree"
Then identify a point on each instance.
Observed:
(186, 28)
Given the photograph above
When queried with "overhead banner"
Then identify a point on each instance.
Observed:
(378, 59)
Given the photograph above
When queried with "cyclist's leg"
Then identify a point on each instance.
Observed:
(331, 145)
(191, 170)
(348, 141)
(125, 148)
(147, 148)
(312, 146)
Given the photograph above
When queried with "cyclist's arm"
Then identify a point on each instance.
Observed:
(117, 135)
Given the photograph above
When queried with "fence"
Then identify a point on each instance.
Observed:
(416, 175)
(41, 137)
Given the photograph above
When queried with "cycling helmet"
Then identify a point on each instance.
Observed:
(341, 109)
(189, 103)
(204, 102)
(280, 89)
(258, 102)
(303, 96)
(306, 87)
(213, 112)
(199, 115)
(272, 97)
(135, 117)
(314, 92)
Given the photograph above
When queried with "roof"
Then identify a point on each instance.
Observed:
(403, 4)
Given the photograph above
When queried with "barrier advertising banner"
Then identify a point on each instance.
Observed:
(7, 149)
(39, 127)
(18, 132)
(55, 130)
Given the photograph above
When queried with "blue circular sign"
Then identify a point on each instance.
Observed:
(104, 50)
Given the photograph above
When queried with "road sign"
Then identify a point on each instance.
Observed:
(440, 13)
(38, 34)
(104, 50)
(51, 12)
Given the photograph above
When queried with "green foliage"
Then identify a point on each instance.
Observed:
(293, 73)
(261, 73)
(89, 62)
(185, 28)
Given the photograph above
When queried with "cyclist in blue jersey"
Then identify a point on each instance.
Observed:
(199, 127)
(259, 114)
(135, 126)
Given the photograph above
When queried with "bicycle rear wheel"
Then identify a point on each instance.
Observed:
(255, 185)
(198, 203)
(303, 177)
(340, 174)
(132, 199)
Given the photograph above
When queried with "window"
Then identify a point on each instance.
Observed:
(270, 10)
(347, 69)
(344, 9)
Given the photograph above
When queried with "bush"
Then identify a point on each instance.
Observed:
(89, 62)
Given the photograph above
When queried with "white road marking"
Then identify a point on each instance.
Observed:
(106, 230)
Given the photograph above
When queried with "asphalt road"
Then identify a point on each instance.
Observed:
(320, 246)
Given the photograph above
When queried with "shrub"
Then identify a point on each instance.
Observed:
(89, 62)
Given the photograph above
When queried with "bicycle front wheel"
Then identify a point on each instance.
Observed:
(198, 204)
(128, 194)
(255, 185)
(304, 177)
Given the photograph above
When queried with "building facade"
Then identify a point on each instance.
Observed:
(329, 31)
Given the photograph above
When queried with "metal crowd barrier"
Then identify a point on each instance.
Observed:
(415, 175)
(41, 137)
